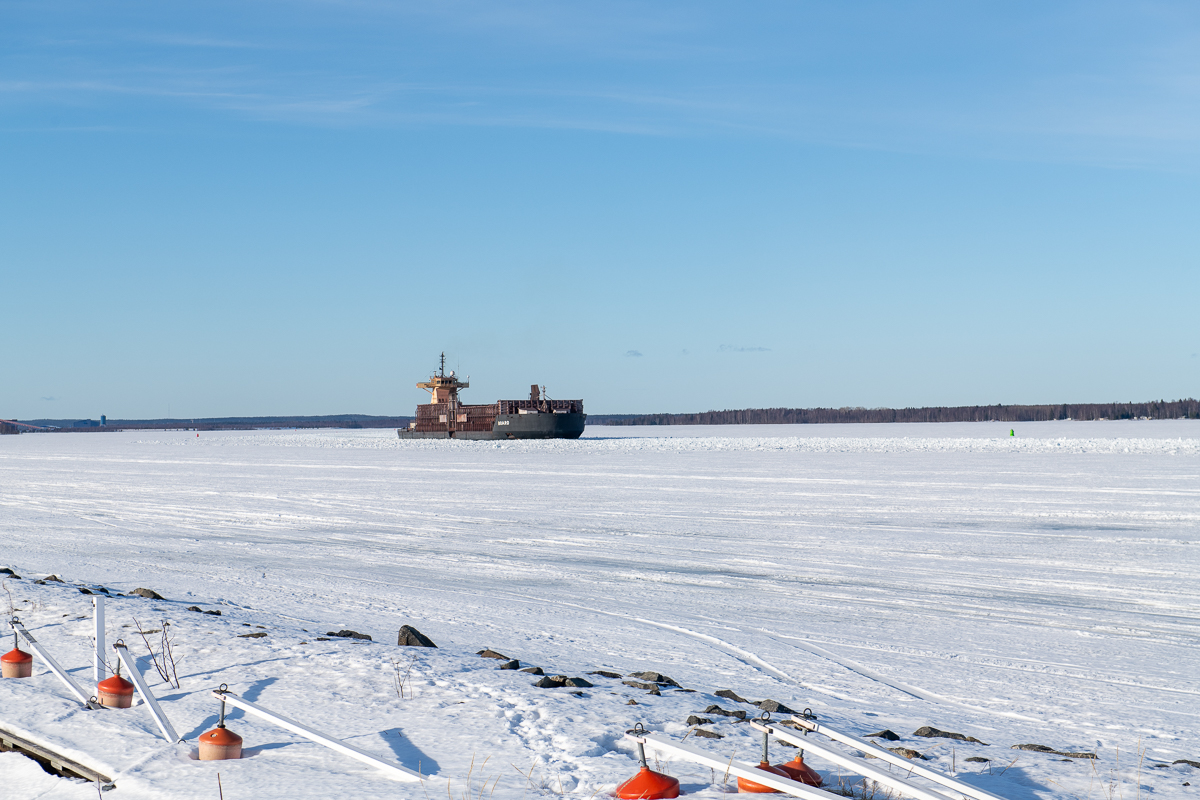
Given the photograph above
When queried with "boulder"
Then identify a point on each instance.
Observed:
(56, 579)
(978, 760)
(255, 635)
(730, 694)
(82, 590)
(149, 594)
(632, 702)
(908, 753)
(6, 571)
(213, 611)
(707, 734)
(533, 670)
(655, 677)
(934, 733)
(578, 683)
(493, 654)
(348, 634)
(694, 720)
(641, 685)
(774, 706)
(555, 682)
(891, 736)
(411, 637)
(197, 609)
(718, 710)
(1041, 748)
(514, 664)
(606, 674)
(1195, 764)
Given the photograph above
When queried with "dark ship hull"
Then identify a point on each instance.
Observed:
(445, 417)
(514, 426)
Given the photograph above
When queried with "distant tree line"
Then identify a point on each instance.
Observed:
(1161, 409)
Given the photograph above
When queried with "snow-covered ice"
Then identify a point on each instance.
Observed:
(1032, 589)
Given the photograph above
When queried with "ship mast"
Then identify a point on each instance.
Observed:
(444, 388)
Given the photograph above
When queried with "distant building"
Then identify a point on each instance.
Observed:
(86, 423)
(103, 420)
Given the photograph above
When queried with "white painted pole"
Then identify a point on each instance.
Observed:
(98, 669)
(739, 768)
(857, 764)
(58, 671)
(393, 769)
(164, 724)
(900, 761)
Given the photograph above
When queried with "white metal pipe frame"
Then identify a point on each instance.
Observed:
(164, 724)
(98, 669)
(60, 673)
(391, 768)
(892, 758)
(740, 769)
(857, 764)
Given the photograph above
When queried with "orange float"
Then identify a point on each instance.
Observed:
(16, 663)
(115, 692)
(750, 787)
(797, 770)
(220, 744)
(647, 784)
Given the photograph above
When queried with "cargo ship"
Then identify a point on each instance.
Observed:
(445, 417)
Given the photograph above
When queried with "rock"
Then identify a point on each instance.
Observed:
(197, 609)
(56, 579)
(579, 683)
(632, 702)
(707, 734)
(908, 753)
(213, 611)
(556, 682)
(605, 674)
(6, 571)
(640, 685)
(978, 760)
(533, 670)
(724, 713)
(655, 692)
(149, 594)
(1041, 748)
(934, 733)
(347, 634)
(685, 691)
(730, 694)
(411, 637)
(321, 639)
(84, 591)
(493, 654)
(39, 583)
(774, 706)
(655, 677)
(884, 734)
(514, 664)
(694, 720)
(255, 635)
(1195, 764)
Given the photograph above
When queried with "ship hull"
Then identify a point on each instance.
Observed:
(514, 426)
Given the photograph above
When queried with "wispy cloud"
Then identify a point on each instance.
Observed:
(46, 398)
(729, 348)
(633, 354)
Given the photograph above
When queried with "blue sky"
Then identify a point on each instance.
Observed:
(292, 207)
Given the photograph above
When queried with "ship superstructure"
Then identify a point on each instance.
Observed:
(446, 417)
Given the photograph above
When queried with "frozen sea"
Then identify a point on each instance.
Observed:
(1038, 588)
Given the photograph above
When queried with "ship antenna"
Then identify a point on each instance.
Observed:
(442, 369)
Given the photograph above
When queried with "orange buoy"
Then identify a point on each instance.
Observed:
(647, 784)
(220, 744)
(16, 663)
(747, 785)
(115, 692)
(797, 770)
